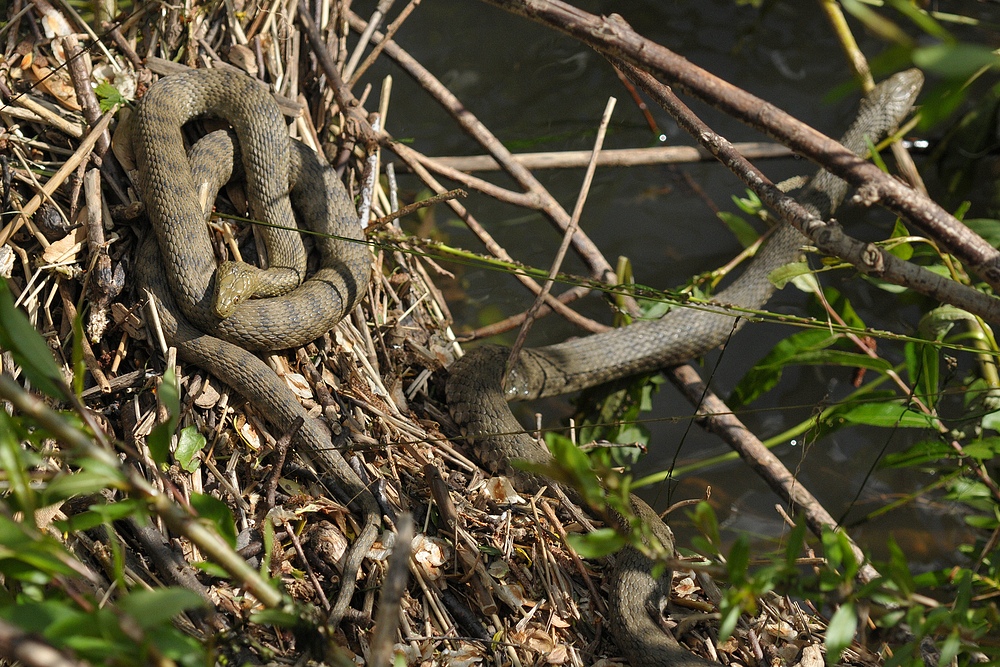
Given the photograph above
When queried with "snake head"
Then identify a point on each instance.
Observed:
(234, 283)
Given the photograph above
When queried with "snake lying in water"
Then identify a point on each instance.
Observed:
(478, 400)
(177, 264)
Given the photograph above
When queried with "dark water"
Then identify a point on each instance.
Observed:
(547, 92)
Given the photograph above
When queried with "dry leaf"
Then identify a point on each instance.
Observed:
(66, 248)
(127, 320)
(247, 432)
(297, 383)
(498, 569)
(500, 490)
(53, 23)
(430, 553)
(244, 58)
(57, 84)
(6, 261)
(512, 595)
(812, 656)
(558, 656)
(208, 397)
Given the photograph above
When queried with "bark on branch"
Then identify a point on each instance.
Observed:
(616, 40)
(828, 237)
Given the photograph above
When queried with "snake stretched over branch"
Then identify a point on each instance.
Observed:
(478, 396)
(177, 266)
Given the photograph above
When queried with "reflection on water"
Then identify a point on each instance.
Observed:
(540, 91)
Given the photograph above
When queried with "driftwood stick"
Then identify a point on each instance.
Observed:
(611, 157)
(612, 37)
(18, 645)
(84, 93)
(348, 104)
(829, 237)
(719, 419)
(524, 199)
(389, 603)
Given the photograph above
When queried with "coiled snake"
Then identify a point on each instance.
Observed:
(177, 264)
(177, 267)
(478, 402)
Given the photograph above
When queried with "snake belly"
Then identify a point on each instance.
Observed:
(176, 264)
(478, 402)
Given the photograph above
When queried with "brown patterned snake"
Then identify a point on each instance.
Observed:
(478, 401)
(177, 265)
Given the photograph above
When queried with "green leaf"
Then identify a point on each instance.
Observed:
(159, 606)
(189, 443)
(738, 561)
(707, 524)
(843, 306)
(919, 453)
(277, 618)
(81, 483)
(98, 515)
(936, 324)
(740, 228)
(784, 274)
(987, 228)
(902, 250)
(750, 204)
(898, 569)
(13, 464)
(955, 61)
(728, 623)
(212, 569)
(574, 462)
(597, 543)
(159, 438)
(29, 349)
(950, 648)
(983, 449)
(840, 632)
(216, 511)
(832, 548)
(109, 97)
(892, 413)
(840, 358)
(922, 19)
(767, 372)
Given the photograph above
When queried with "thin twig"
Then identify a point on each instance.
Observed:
(393, 588)
(57, 179)
(588, 252)
(574, 224)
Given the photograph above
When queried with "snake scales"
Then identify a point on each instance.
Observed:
(478, 401)
(177, 264)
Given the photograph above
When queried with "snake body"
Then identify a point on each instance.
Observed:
(176, 264)
(478, 401)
